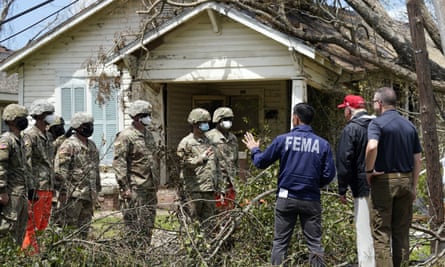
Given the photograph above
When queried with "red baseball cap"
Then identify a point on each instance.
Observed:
(353, 101)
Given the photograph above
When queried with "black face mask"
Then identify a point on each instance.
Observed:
(86, 130)
(57, 130)
(21, 123)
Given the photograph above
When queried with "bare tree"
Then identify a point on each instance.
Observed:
(5, 7)
(363, 29)
(440, 14)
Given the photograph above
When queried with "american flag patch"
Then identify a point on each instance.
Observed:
(3, 146)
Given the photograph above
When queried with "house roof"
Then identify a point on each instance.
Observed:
(295, 44)
(291, 42)
(19, 55)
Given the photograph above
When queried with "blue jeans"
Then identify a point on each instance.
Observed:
(287, 211)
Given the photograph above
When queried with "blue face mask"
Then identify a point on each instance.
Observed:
(204, 126)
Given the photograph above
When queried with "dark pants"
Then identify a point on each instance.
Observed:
(287, 211)
(391, 216)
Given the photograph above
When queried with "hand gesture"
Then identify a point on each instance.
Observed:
(250, 141)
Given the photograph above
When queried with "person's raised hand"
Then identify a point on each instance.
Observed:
(250, 141)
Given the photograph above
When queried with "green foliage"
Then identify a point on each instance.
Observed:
(240, 237)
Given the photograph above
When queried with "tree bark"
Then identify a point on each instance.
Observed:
(440, 14)
(428, 118)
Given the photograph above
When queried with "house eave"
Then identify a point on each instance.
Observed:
(286, 40)
(16, 57)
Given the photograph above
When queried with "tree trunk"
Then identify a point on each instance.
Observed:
(428, 118)
(440, 14)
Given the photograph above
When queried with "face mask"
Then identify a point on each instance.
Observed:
(204, 126)
(145, 120)
(21, 123)
(226, 124)
(86, 130)
(49, 119)
(57, 130)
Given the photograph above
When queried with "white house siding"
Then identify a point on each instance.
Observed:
(65, 56)
(195, 53)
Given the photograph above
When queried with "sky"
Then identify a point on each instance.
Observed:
(27, 20)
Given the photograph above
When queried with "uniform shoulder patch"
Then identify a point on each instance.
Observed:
(3, 146)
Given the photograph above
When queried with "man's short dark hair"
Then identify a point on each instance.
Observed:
(305, 112)
(387, 95)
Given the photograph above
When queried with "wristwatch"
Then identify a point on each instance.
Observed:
(370, 171)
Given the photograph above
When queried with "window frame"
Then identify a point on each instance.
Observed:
(89, 101)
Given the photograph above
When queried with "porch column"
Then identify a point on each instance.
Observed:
(299, 93)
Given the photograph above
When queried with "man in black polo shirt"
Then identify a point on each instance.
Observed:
(393, 178)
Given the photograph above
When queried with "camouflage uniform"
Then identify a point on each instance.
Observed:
(57, 211)
(137, 169)
(58, 142)
(56, 132)
(198, 173)
(77, 165)
(227, 157)
(39, 153)
(14, 180)
(58, 137)
(40, 157)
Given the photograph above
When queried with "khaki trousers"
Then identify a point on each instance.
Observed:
(391, 216)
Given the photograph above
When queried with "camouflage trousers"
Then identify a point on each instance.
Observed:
(202, 205)
(77, 214)
(139, 214)
(13, 218)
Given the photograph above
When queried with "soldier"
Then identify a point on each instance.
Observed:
(57, 133)
(227, 145)
(77, 165)
(198, 167)
(137, 173)
(39, 153)
(14, 176)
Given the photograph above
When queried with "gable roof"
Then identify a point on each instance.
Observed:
(19, 55)
(291, 42)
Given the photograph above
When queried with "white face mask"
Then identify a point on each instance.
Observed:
(50, 119)
(145, 120)
(226, 124)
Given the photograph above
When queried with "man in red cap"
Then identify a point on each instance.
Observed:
(351, 172)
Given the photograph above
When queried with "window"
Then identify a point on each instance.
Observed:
(76, 97)
(105, 125)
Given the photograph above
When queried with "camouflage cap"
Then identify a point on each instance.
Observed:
(139, 107)
(58, 121)
(221, 113)
(39, 106)
(197, 115)
(80, 118)
(13, 111)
